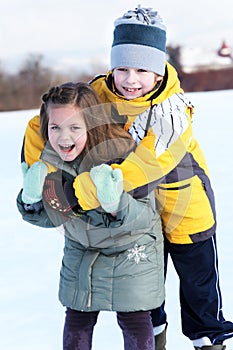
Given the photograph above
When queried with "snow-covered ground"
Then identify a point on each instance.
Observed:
(31, 316)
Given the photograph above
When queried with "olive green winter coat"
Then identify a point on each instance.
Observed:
(108, 263)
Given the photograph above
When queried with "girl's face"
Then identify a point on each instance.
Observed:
(67, 131)
(134, 82)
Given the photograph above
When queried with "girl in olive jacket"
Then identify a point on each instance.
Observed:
(113, 256)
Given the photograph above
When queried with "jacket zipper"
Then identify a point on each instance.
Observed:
(89, 300)
(172, 188)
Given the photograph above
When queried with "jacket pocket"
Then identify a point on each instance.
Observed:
(185, 209)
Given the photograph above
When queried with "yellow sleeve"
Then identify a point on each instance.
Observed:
(143, 166)
(85, 191)
(139, 168)
(33, 142)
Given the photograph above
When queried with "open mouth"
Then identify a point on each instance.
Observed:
(132, 89)
(66, 148)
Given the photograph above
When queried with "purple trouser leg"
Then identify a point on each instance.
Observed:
(136, 327)
(78, 329)
(137, 330)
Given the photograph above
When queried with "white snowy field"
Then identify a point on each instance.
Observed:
(31, 316)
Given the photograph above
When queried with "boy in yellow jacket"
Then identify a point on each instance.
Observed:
(144, 95)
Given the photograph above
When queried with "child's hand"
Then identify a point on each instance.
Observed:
(109, 186)
(33, 182)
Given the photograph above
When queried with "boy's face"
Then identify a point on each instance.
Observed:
(134, 82)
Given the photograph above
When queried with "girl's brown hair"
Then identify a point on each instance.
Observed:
(106, 140)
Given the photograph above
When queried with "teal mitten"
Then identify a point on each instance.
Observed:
(109, 186)
(33, 182)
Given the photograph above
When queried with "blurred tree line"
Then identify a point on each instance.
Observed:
(23, 90)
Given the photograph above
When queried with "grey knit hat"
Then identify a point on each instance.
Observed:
(139, 41)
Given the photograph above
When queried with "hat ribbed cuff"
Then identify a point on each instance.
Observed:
(138, 56)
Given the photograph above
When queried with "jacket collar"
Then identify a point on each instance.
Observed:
(104, 86)
(51, 157)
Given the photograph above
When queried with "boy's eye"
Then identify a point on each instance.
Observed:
(121, 69)
(142, 70)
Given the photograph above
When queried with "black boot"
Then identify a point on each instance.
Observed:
(211, 347)
(160, 340)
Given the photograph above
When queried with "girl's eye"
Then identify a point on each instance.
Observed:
(142, 70)
(75, 128)
(54, 127)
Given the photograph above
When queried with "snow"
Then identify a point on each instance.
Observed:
(31, 315)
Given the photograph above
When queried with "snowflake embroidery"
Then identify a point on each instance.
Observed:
(137, 253)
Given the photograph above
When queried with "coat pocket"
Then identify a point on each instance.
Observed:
(185, 209)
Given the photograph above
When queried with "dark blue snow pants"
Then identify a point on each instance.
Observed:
(200, 297)
(136, 327)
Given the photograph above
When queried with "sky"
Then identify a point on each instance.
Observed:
(81, 31)
(31, 316)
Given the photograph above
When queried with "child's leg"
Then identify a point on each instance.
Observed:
(137, 330)
(200, 296)
(78, 329)
(159, 317)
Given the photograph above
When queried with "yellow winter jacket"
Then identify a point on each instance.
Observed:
(167, 155)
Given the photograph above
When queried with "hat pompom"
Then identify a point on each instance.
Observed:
(141, 16)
